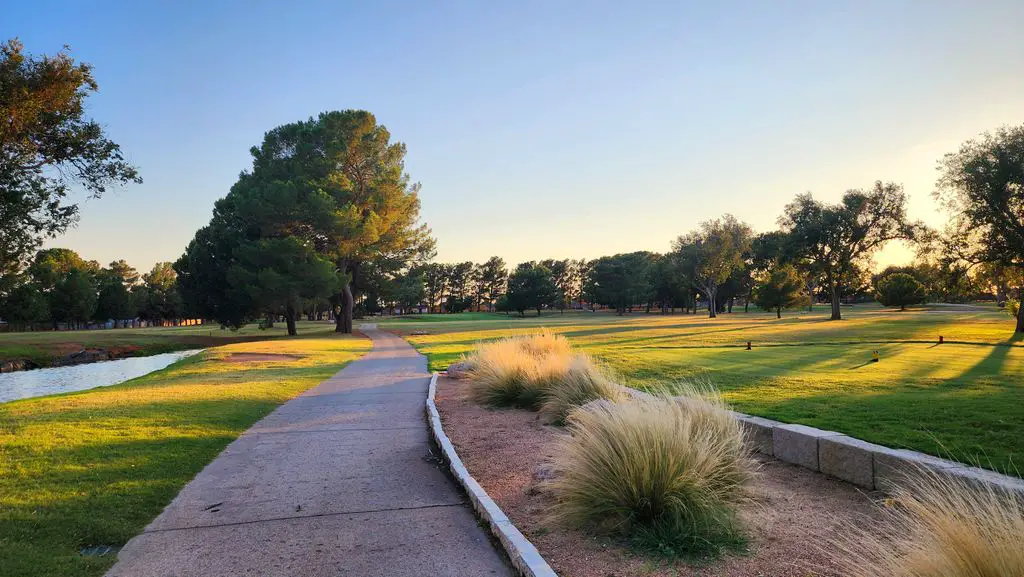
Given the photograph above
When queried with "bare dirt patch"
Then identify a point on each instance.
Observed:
(64, 349)
(793, 514)
(260, 357)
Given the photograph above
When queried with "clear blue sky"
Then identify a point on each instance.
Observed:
(540, 129)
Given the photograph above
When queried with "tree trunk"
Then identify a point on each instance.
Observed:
(836, 313)
(731, 299)
(746, 303)
(778, 312)
(712, 304)
(289, 319)
(347, 306)
(1020, 311)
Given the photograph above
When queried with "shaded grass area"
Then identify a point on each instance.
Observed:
(961, 399)
(93, 468)
(44, 347)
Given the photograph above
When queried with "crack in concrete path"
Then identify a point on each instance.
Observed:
(272, 519)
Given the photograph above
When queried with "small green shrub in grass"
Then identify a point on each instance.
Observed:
(665, 473)
(940, 526)
(582, 382)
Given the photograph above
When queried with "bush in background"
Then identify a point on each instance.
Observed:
(941, 526)
(664, 472)
(783, 289)
(899, 290)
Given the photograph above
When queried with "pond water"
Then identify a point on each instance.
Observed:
(53, 380)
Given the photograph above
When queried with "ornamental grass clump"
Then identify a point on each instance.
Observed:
(517, 371)
(667, 473)
(938, 525)
(582, 382)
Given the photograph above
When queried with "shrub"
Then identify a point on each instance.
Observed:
(781, 290)
(581, 383)
(664, 472)
(941, 526)
(516, 371)
(899, 290)
(1013, 307)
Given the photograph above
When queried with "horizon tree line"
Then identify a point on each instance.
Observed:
(821, 251)
(59, 288)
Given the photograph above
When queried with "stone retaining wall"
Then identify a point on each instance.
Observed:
(859, 462)
(864, 464)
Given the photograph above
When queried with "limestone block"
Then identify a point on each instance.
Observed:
(759, 433)
(849, 459)
(798, 444)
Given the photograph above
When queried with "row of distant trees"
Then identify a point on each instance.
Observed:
(765, 276)
(466, 286)
(647, 281)
(60, 289)
(821, 251)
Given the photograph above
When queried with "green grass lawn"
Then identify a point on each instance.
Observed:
(42, 347)
(93, 468)
(962, 399)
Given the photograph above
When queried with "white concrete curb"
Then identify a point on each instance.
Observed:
(521, 552)
(859, 462)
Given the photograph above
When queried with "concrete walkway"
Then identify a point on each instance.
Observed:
(338, 481)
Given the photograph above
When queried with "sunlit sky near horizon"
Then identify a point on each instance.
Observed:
(540, 129)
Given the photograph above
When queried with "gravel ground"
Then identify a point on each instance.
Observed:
(790, 519)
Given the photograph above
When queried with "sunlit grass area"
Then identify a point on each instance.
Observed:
(961, 398)
(41, 347)
(93, 468)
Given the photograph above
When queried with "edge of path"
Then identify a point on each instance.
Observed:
(524, 556)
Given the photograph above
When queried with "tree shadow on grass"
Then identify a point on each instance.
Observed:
(994, 362)
(699, 325)
(656, 338)
(733, 363)
(95, 490)
(228, 414)
(97, 494)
